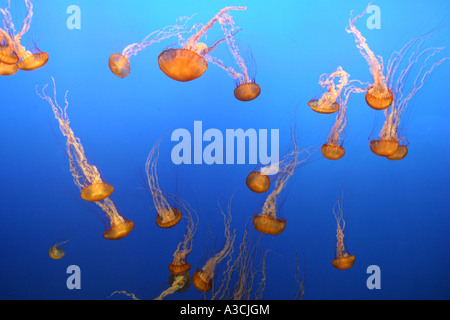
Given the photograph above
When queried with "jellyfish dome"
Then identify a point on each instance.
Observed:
(56, 252)
(332, 152)
(179, 268)
(166, 219)
(401, 152)
(247, 91)
(258, 182)
(182, 64)
(379, 99)
(201, 281)
(315, 106)
(33, 62)
(184, 278)
(119, 230)
(344, 262)
(96, 191)
(384, 147)
(119, 65)
(269, 225)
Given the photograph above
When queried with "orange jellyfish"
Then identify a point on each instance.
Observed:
(203, 278)
(378, 95)
(119, 63)
(343, 259)
(8, 59)
(333, 149)
(167, 215)
(390, 144)
(327, 103)
(268, 221)
(189, 63)
(26, 60)
(246, 87)
(56, 252)
(179, 264)
(86, 176)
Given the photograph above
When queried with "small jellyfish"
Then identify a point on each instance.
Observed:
(179, 264)
(119, 63)
(268, 221)
(258, 182)
(203, 278)
(333, 149)
(189, 63)
(246, 87)
(167, 215)
(178, 283)
(327, 103)
(86, 176)
(26, 60)
(343, 259)
(378, 95)
(389, 143)
(56, 252)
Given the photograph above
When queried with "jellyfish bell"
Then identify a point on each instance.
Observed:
(344, 262)
(119, 65)
(96, 191)
(56, 252)
(401, 153)
(183, 277)
(7, 55)
(314, 105)
(33, 62)
(332, 152)
(247, 91)
(384, 147)
(8, 69)
(379, 99)
(118, 230)
(166, 219)
(258, 182)
(182, 64)
(201, 281)
(179, 268)
(269, 225)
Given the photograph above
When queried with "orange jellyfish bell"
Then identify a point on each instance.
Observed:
(201, 281)
(379, 100)
(182, 64)
(258, 182)
(401, 152)
(344, 262)
(7, 55)
(384, 147)
(332, 152)
(168, 223)
(184, 277)
(8, 69)
(119, 230)
(269, 225)
(247, 91)
(97, 191)
(314, 105)
(179, 268)
(119, 65)
(33, 62)
(56, 252)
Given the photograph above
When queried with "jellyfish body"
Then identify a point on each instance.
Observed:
(332, 152)
(25, 59)
(400, 154)
(258, 182)
(56, 252)
(85, 175)
(119, 65)
(190, 62)
(269, 225)
(202, 278)
(378, 95)
(343, 260)
(328, 102)
(167, 216)
(8, 69)
(247, 91)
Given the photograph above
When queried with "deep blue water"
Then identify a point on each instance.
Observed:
(396, 213)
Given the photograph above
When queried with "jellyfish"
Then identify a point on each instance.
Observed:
(189, 63)
(178, 283)
(179, 264)
(268, 221)
(327, 103)
(246, 87)
(202, 279)
(15, 51)
(56, 252)
(378, 95)
(8, 59)
(343, 259)
(86, 176)
(333, 149)
(119, 63)
(390, 143)
(167, 215)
